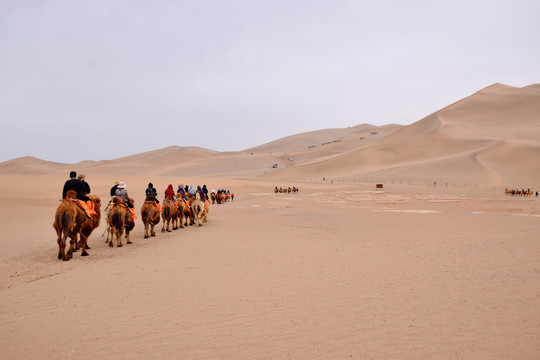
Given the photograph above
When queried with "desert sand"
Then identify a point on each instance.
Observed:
(437, 264)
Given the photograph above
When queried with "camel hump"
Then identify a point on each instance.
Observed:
(117, 200)
(198, 196)
(71, 194)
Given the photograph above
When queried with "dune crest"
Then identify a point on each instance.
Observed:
(493, 133)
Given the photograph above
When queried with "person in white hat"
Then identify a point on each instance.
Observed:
(122, 193)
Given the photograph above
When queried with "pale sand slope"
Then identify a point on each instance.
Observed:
(336, 271)
(491, 137)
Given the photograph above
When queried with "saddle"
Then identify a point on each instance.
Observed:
(155, 203)
(89, 212)
(131, 210)
(172, 201)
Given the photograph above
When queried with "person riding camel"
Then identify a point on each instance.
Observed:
(151, 191)
(205, 189)
(170, 192)
(113, 189)
(122, 193)
(78, 186)
(86, 187)
(85, 184)
(181, 192)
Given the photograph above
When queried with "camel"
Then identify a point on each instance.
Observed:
(184, 212)
(64, 224)
(169, 214)
(213, 197)
(108, 230)
(220, 197)
(89, 224)
(206, 209)
(71, 221)
(150, 215)
(120, 219)
(276, 190)
(198, 210)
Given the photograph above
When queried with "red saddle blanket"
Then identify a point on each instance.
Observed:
(82, 205)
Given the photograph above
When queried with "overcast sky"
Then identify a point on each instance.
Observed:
(101, 79)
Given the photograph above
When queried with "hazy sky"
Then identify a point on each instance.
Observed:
(101, 79)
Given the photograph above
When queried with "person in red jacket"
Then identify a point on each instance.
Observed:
(170, 191)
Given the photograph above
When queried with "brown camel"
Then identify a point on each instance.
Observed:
(206, 209)
(220, 198)
(150, 215)
(213, 197)
(169, 214)
(64, 224)
(71, 221)
(89, 224)
(184, 211)
(120, 219)
(198, 210)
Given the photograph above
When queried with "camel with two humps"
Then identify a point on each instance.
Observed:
(150, 216)
(72, 222)
(199, 210)
(120, 219)
(184, 211)
(169, 213)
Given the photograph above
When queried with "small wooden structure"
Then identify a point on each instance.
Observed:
(379, 186)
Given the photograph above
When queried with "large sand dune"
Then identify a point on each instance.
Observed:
(415, 270)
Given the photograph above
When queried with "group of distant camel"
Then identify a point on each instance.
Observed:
(523, 192)
(285, 189)
(72, 222)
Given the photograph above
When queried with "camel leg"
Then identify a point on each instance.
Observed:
(127, 237)
(59, 241)
(181, 221)
(152, 231)
(84, 239)
(146, 225)
(62, 248)
(119, 239)
(72, 243)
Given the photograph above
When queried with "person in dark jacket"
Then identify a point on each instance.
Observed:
(76, 185)
(113, 189)
(205, 191)
(151, 191)
(86, 186)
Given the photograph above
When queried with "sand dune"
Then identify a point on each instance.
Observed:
(340, 270)
(494, 134)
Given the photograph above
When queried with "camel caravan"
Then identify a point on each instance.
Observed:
(521, 192)
(79, 213)
(286, 190)
(221, 196)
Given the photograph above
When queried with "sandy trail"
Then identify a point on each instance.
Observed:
(332, 272)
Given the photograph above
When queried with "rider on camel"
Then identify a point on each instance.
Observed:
(79, 187)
